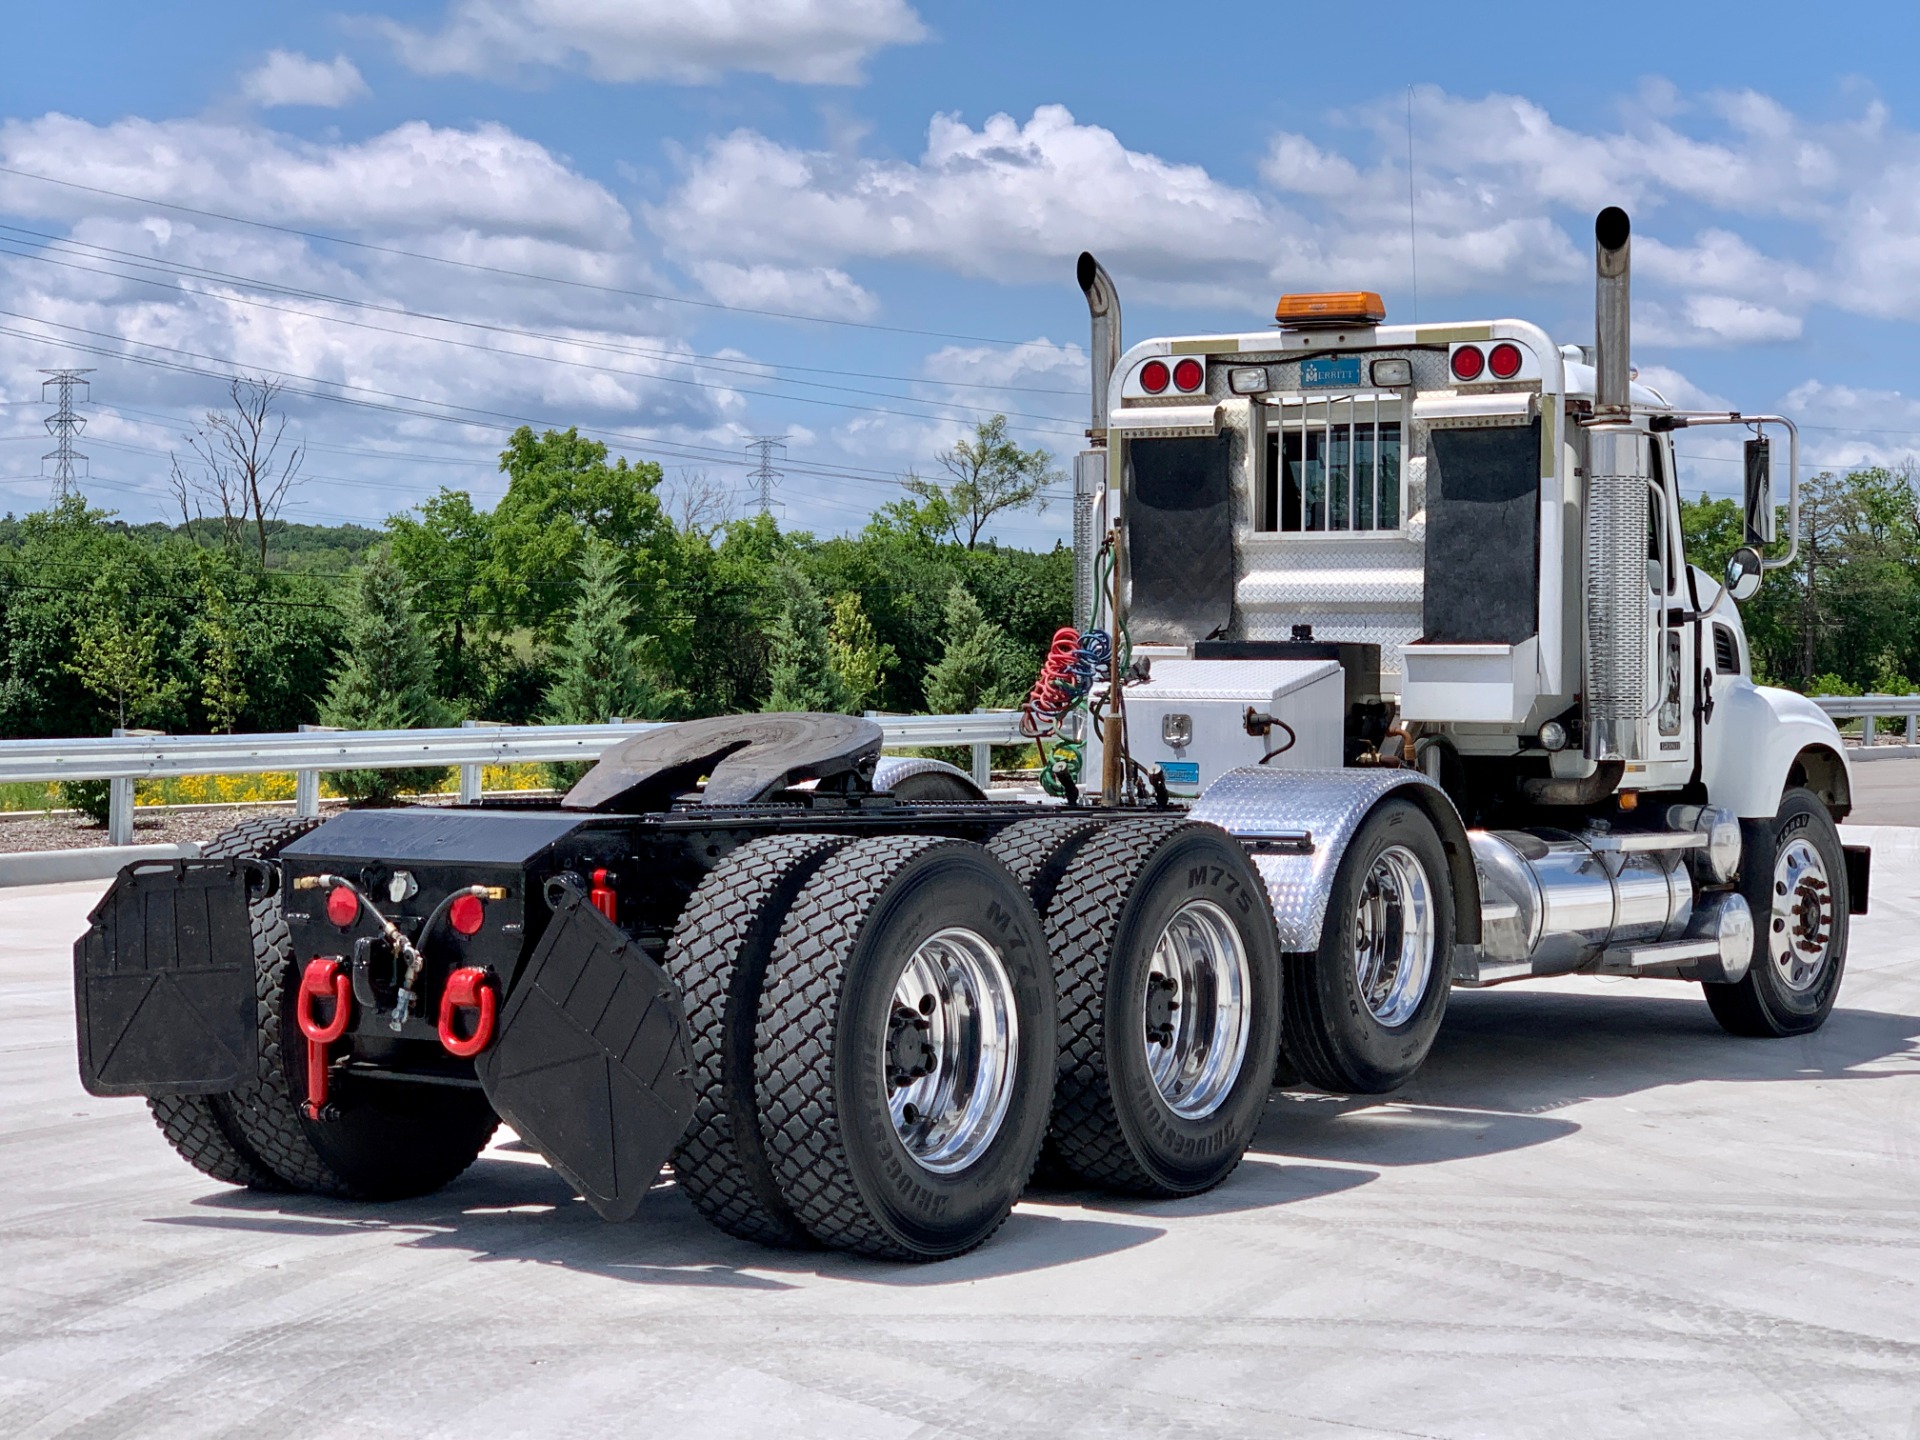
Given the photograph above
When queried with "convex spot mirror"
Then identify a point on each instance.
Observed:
(1743, 573)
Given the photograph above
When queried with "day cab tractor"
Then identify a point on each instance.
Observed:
(1389, 675)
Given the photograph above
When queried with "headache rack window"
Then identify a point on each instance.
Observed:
(1333, 465)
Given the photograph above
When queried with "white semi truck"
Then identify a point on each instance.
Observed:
(1447, 558)
(1392, 675)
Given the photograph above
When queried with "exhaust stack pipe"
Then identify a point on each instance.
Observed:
(1103, 304)
(1616, 530)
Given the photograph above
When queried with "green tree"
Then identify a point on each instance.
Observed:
(560, 489)
(979, 667)
(446, 554)
(989, 475)
(860, 658)
(222, 641)
(599, 670)
(385, 681)
(800, 653)
(120, 657)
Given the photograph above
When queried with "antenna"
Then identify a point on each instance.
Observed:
(65, 427)
(765, 478)
(1413, 241)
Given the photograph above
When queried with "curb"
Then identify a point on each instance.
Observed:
(1859, 753)
(93, 862)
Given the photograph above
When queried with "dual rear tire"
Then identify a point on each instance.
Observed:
(886, 1030)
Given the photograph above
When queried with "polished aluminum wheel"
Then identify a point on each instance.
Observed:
(1800, 928)
(951, 1050)
(1394, 935)
(1195, 1019)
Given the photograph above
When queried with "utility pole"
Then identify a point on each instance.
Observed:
(764, 478)
(65, 427)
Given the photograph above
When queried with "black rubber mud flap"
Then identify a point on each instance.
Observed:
(163, 980)
(591, 1066)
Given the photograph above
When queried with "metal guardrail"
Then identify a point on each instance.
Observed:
(1871, 709)
(312, 751)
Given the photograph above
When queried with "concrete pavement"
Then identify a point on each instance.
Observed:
(1592, 1215)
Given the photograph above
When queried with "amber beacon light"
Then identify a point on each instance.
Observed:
(1335, 307)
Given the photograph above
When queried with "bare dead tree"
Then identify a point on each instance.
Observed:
(699, 502)
(240, 465)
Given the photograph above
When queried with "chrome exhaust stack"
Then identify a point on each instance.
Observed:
(1091, 511)
(1103, 306)
(1616, 519)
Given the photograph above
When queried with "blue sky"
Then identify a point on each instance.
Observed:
(917, 177)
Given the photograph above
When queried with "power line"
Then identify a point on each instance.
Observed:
(764, 479)
(65, 427)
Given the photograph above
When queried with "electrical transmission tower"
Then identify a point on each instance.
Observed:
(65, 427)
(765, 478)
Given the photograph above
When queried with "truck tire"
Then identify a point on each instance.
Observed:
(905, 1048)
(1793, 875)
(718, 957)
(1159, 1093)
(1363, 1010)
(1037, 852)
(391, 1143)
(203, 1128)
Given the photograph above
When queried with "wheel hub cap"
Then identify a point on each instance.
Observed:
(1194, 1018)
(1800, 932)
(950, 1050)
(1394, 936)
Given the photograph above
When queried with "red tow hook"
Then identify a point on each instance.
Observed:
(324, 979)
(467, 989)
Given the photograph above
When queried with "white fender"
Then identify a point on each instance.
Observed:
(1755, 740)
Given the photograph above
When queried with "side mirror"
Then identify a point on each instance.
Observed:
(1743, 573)
(1761, 519)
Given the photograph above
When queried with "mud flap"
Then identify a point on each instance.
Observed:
(591, 1064)
(163, 980)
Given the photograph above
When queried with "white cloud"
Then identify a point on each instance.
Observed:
(819, 42)
(804, 290)
(286, 78)
(484, 194)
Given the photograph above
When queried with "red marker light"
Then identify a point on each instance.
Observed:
(343, 906)
(1153, 376)
(1468, 362)
(1504, 361)
(1189, 375)
(466, 914)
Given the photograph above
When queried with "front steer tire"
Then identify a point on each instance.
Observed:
(837, 1048)
(1335, 1035)
(1766, 1004)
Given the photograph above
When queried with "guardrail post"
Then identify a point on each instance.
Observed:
(1866, 729)
(982, 759)
(306, 783)
(1913, 727)
(472, 774)
(120, 798)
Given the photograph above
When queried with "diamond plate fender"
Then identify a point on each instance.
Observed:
(591, 1065)
(1255, 802)
(163, 980)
